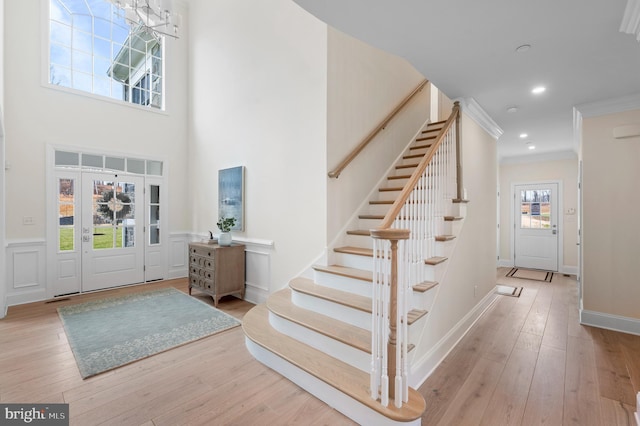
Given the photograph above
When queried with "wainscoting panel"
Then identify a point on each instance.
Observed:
(178, 255)
(26, 272)
(258, 275)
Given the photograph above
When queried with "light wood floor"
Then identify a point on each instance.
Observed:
(526, 361)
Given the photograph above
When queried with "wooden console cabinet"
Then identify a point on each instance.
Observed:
(215, 270)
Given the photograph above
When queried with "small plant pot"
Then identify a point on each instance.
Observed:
(224, 239)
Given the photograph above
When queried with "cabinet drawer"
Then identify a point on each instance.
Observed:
(201, 282)
(201, 273)
(201, 251)
(201, 261)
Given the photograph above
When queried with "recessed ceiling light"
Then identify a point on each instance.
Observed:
(523, 135)
(512, 109)
(532, 147)
(537, 90)
(523, 48)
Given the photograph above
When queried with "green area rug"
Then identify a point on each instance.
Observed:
(108, 333)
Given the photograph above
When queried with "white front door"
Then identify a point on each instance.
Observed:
(536, 226)
(112, 230)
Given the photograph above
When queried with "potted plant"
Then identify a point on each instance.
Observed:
(225, 224)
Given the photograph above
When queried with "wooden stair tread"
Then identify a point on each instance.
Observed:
(344, 271)
(424, 286)
(399, 176)
(445, 237)
(359, 251)
(371, 216)
(406, 166)
(414, 315)
(355, 301)
(280, 304)
(421, 146)
(459, 201)
(410, 156)
(391, 189)
(426, 138)
(361, 232)
(374, 202)
(452, 218)
(338, 374)
(436, 260)
(436, 123)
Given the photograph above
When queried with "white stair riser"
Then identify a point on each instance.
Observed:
(348, 406)
(437, 271)
(339, 282)
(352, 356)
(406, 170)
(378, 209)
(369, 223)
(452, 227)
(424, 300)
(344, 313)
(359, 241)
(416, 328)
(444, 248)
(408, 161)
(397, 182)
(387, 195)
(354, 261)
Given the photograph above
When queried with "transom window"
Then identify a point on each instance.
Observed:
(92, 48)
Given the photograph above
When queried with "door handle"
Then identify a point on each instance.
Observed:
(554, 232)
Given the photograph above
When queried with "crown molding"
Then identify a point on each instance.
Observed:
(610, 106)
(473, 109)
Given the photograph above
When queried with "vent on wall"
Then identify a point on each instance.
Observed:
(625, 132)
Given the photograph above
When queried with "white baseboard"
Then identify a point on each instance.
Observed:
(610, 322)
(423, 367)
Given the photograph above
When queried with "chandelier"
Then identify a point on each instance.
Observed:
(153, 16)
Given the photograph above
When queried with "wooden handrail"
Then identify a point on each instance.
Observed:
(413, 180)
(353, 154)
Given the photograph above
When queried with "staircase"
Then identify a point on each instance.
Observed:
(318, 332)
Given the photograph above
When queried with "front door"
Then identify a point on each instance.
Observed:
(536, 226)
(112, 230)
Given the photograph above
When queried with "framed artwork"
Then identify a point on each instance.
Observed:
(231, 195)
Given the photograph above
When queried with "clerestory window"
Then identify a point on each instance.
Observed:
(93, 49)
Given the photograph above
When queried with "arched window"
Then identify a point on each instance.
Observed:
(92, 48)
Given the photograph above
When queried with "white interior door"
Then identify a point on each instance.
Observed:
(536, 226)
(112, 230)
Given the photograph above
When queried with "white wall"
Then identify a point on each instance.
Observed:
(364, 85)
(3, 269)
(36, 115)
(258, 89)
(563, 170)
(611, 231)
